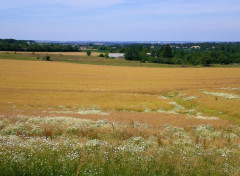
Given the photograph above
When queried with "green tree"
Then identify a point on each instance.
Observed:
(153, 53)
(106, 55)
(206, 59)
(223, 59)
(47, 58)
(121, 50)
(143, 57)
(89, 53)
(167, 52)
(132, 53)
(101, 55)
(159, 52)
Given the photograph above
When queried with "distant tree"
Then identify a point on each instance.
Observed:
(206, 59)
(167, 52)
(153, 53)
(121, 50)
(237, 60)
(89, 53)
(47, 58)
(179, 53)
(111, 50)
(102, 48)
(101, 55)
(177, 60)
(106, 55)
(159, 52)
(132, 53)
(143, 57)
(223, 59)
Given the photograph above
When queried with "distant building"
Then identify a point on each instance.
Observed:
(86, 47)
(149, 54)
(99, 44)
(116, 55)
(195, 47)
(83, 48)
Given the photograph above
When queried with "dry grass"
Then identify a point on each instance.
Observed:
(217, 106)
(156, 120)
(27, 85)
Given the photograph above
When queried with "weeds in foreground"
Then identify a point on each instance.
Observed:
(84, 147)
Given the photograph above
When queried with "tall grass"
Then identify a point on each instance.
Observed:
(69, 146)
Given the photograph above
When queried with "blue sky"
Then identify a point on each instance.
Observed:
(121, 20)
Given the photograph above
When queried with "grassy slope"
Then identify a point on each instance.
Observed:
(16, 57)
(81, 58)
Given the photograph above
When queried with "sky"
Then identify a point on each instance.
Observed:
(120, 20)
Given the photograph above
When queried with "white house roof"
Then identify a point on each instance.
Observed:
(116, 55)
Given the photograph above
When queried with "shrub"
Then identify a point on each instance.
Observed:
(47, 58)
(89, 53)
(101, 55)
(106, 55)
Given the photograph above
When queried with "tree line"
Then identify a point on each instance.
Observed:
(22, 45)
(176, 53)
(166, 54)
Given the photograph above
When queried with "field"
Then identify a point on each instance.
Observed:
(52, 53)
(61, 118)
(76, 57)
(94, 59)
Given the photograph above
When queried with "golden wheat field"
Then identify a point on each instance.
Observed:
(193, 94)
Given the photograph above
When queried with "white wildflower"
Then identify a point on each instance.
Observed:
(224, 95)
(190, 98)
(163, 97)
(230, 88)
